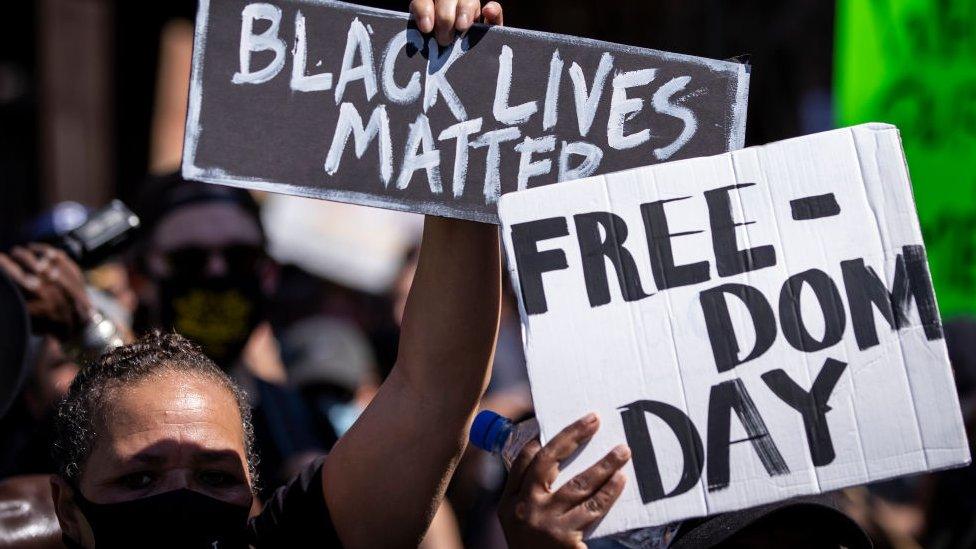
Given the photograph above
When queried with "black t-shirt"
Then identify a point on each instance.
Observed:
(296, 515)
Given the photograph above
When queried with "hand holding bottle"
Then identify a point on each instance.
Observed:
(535, 515)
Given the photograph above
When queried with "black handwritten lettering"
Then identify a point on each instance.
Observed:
(729, 259)
(645, 460)
(531, 263)
(812, 406)
(595, 251)
(666, 273)
(725, 397)
(791, 317)
(721, 332)
(867, 291)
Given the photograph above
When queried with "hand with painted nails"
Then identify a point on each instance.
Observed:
(53, 287)
(446, 17)
(534, 515)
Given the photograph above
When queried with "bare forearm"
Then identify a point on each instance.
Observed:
(398, 457)
(387, 475)
(451, 317)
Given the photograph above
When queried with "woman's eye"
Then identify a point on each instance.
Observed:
(137, 481)
(217, 478)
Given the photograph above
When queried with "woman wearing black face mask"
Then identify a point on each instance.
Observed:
(155, 449)
(155, 436)
(178, 518)
(135, 464)
(154, 442)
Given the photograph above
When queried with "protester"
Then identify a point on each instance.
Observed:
(65, 319)
(408, 438)
(200, 266)
(200, 269)
(176, 448)
(162, 443)
(329, 360)
(25, 431)
(152, 436)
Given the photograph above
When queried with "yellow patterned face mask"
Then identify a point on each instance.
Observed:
(218, 314)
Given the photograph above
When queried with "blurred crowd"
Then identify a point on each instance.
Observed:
(304, 314)
(310, 352)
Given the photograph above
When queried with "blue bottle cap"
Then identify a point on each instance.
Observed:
(486, 428)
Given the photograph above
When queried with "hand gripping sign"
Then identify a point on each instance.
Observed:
(755, 325)
(330, 100)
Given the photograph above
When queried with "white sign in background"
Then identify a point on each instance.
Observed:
(635, 349)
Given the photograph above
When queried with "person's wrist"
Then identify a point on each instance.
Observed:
(472, 232)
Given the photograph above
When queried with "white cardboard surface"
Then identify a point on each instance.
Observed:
(893, 410)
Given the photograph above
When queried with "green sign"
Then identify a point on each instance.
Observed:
(912, 63)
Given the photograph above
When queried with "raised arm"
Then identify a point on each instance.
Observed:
(385, 478)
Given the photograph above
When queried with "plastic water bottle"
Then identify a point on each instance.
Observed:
(502, 437)
(499, 436)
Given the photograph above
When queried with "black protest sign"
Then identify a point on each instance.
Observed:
(347, 103)
(755, 325)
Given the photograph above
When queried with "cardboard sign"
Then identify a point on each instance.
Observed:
(347, 103)
(756, 325)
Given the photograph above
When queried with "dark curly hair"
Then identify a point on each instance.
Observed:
(79, 413)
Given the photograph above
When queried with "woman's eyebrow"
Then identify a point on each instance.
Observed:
(144, 457)
(214, 456)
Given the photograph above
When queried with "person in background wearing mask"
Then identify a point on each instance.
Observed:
(332, 365)
(201, 271)
(200, 266)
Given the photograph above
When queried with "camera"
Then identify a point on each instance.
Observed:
(105, 233)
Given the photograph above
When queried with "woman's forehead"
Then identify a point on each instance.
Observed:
(177, 406)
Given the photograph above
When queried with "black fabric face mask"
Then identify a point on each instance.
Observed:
(218, 314)
(179, 518)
